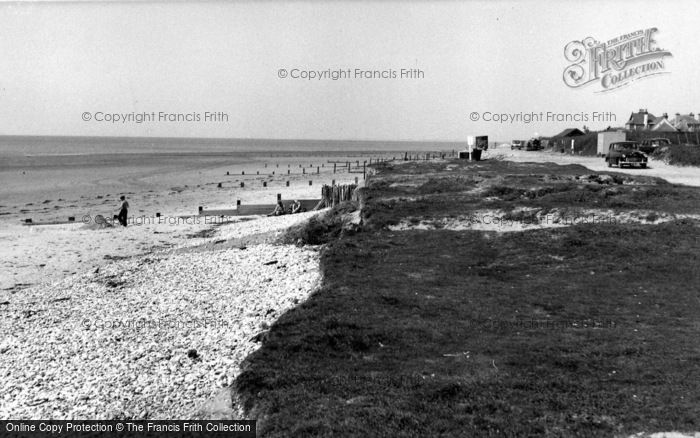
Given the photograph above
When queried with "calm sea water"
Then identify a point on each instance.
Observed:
(18, 152)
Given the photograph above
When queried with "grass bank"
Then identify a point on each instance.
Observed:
(679, 155)
(587, 330)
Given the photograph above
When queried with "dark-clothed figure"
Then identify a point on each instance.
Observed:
(123, 211)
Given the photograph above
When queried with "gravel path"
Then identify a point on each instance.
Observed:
(149, 337)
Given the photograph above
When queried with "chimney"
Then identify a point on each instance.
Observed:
(666, 116)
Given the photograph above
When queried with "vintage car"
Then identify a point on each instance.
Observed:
(517, 144)
(651, 144)
(626, 153)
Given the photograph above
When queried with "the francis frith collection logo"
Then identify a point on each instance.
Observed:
(614, 63)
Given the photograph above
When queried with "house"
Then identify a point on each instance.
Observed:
(663, 124)
(686, 122)
(642, 119)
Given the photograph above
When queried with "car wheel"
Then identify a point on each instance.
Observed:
(643, 165)
(609, 163)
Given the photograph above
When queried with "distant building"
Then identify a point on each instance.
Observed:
(563, 139)
(663, 124)
(571, 132)
(686, 122)
(641, 120)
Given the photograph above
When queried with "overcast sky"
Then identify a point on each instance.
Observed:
(60, 60)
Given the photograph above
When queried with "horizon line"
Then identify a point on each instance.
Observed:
(231, 138)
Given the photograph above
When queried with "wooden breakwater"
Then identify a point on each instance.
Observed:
(335, 194)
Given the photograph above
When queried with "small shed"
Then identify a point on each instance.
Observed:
(563, 139)
(607, 137)
(571, 132)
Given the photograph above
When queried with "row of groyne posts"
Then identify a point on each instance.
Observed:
(334, 193)
(338, 167)
(346, 166)
(331, 194)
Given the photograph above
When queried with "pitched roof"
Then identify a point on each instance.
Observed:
(638, 118)
(571, 132)
(663, 125)
(683, 121)
(686, 117)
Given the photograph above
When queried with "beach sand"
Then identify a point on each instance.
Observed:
(150, 321)
(46, 253)
(148, 337)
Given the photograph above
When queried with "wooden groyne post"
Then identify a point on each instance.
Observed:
(333, 195)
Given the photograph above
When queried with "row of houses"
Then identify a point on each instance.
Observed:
(644, 120)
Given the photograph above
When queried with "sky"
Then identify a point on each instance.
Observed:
(66, 67)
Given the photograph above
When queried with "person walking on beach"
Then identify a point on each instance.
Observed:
(123, 211)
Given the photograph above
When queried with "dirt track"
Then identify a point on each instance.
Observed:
(674, 174)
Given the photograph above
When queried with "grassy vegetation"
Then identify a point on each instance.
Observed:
(323, 228)
(680, 155)
(584, 331)
(676, 138)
